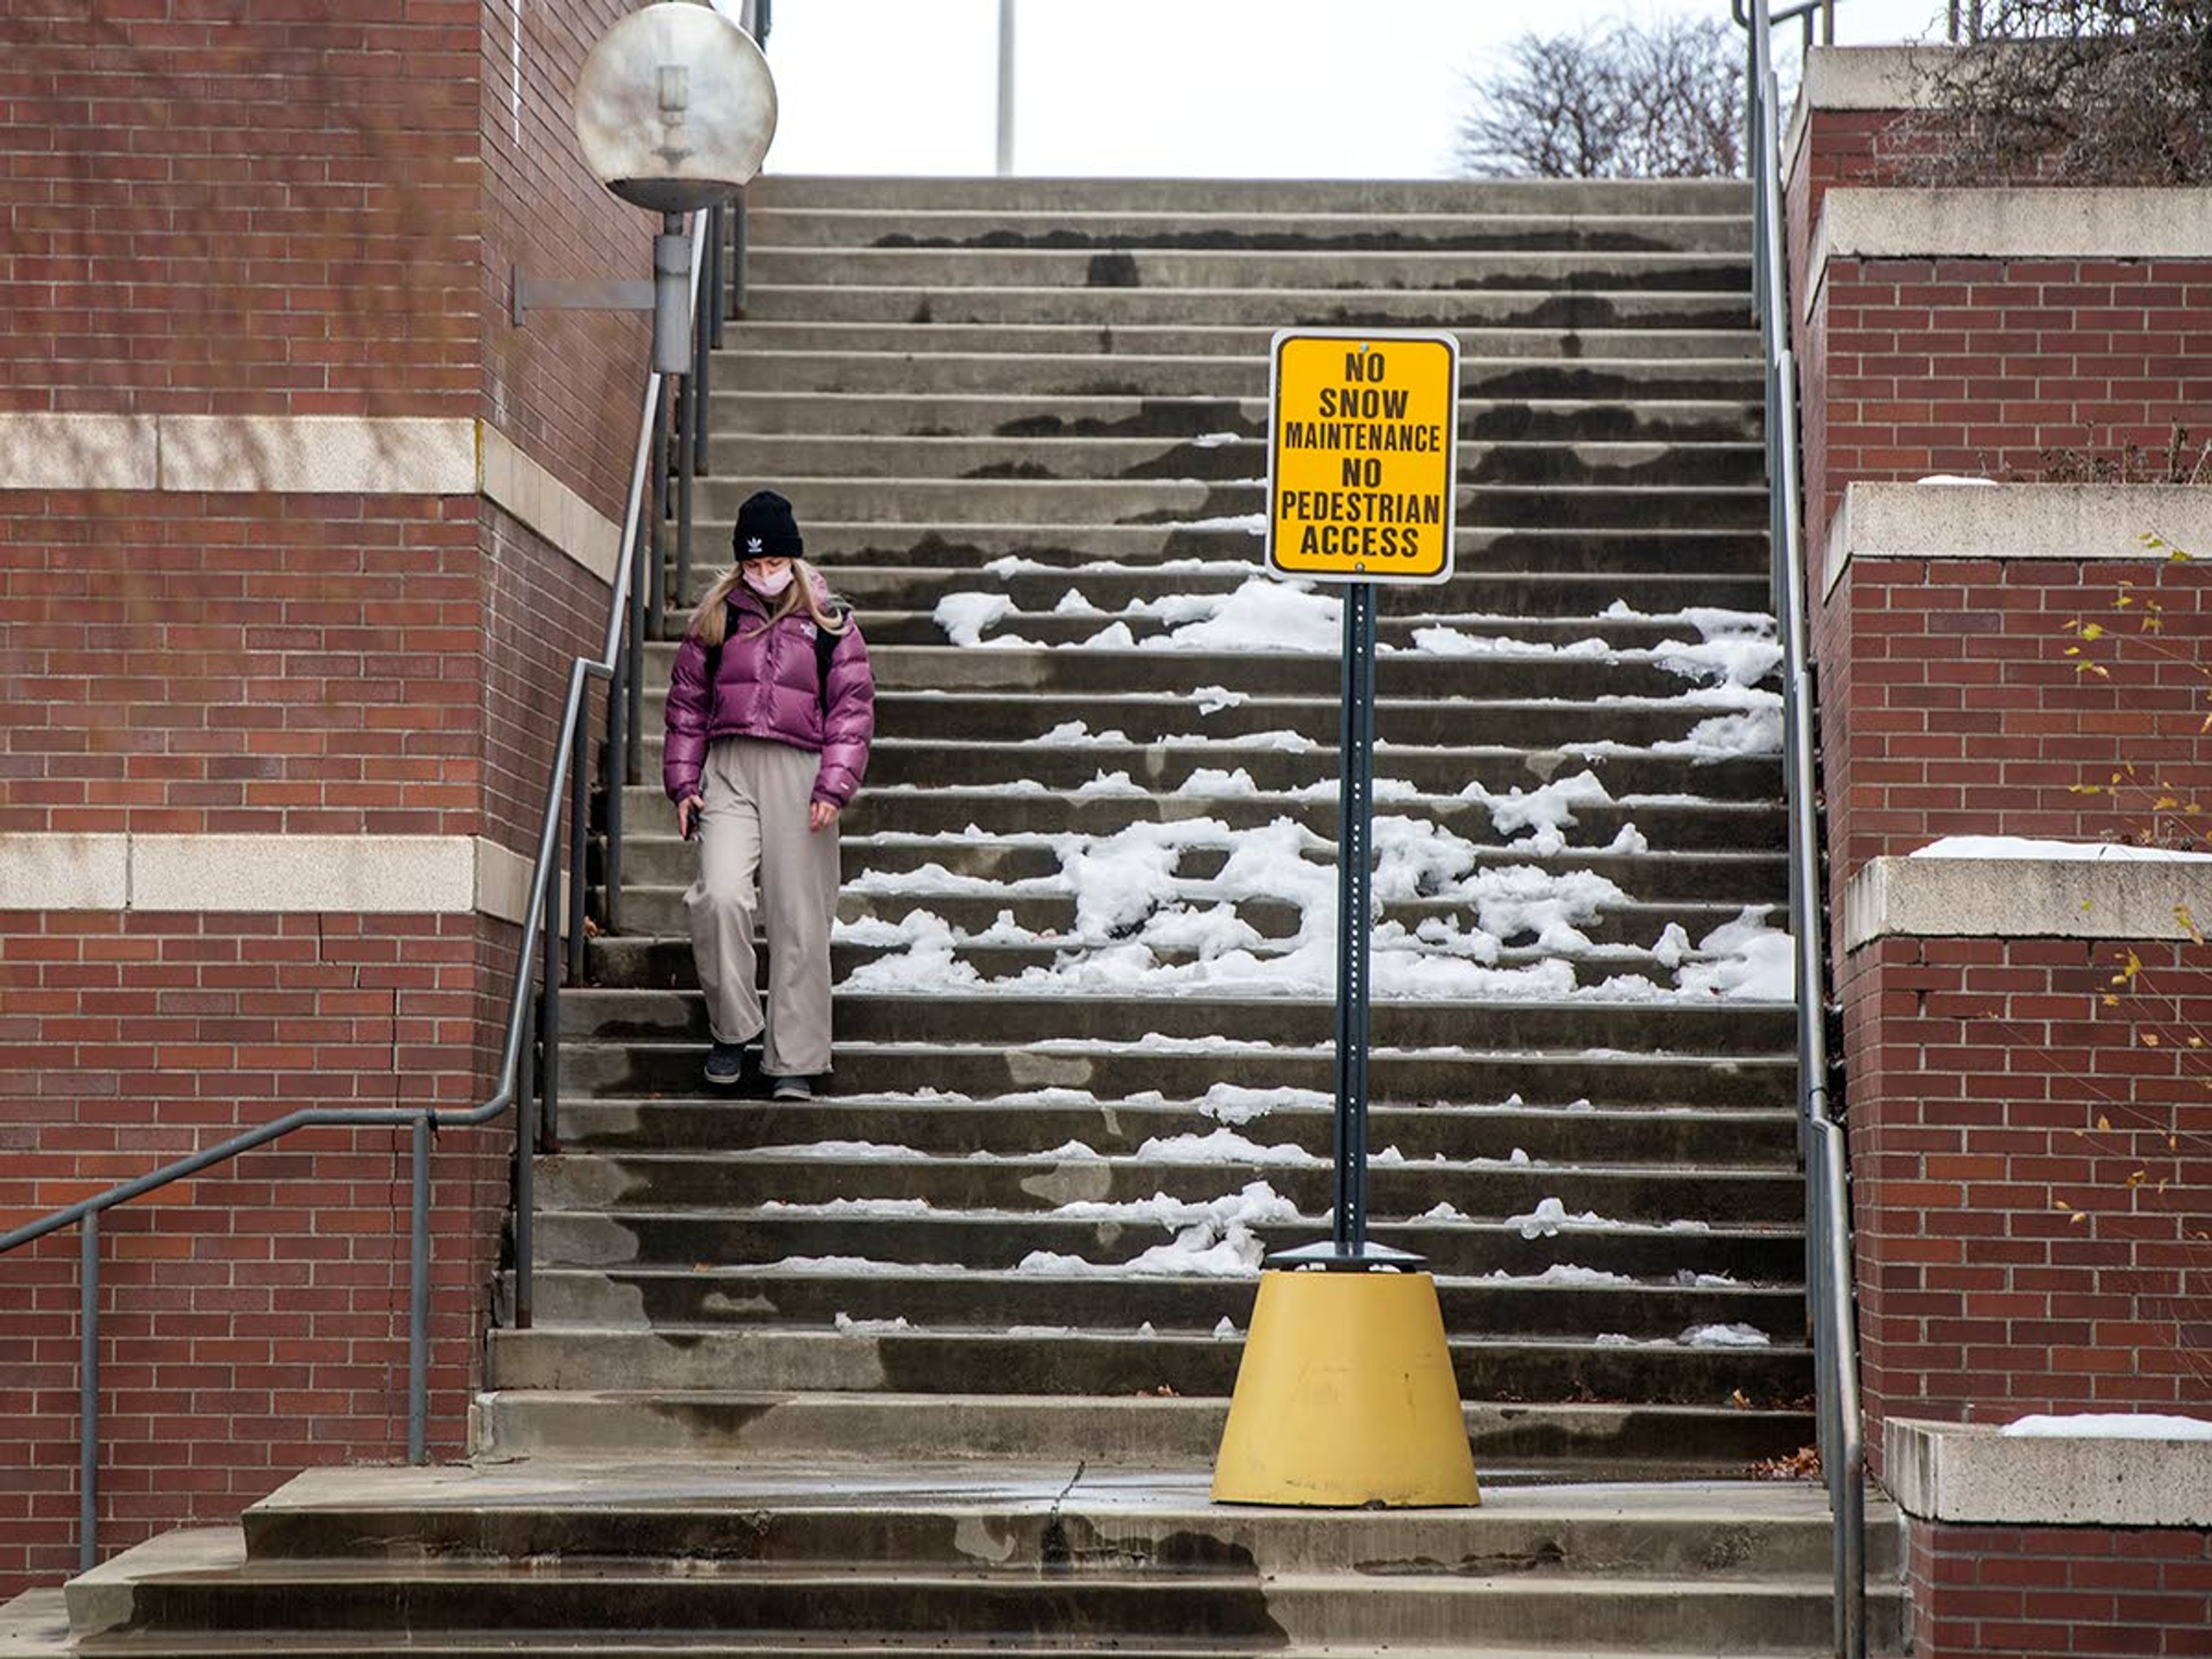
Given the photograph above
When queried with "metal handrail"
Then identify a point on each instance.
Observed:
(1829, 1272)
(514, 1088)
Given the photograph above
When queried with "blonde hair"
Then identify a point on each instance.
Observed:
(712, 619)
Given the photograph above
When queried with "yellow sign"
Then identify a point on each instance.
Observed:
(1362, 449)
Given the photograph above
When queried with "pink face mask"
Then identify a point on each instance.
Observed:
(769, 583)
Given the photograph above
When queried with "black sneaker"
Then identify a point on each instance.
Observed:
(726, 1064)
(790, 1088)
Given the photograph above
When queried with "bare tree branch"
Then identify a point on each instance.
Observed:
(1662, 99)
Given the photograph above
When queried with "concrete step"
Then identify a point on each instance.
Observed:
(1723, 197)
(1077, 627)
(693, 1359)
(1089, 374)
(1182, 769)
(1126, 1517)
(1697, 882)
(1713, 1029)
(1400, 676)
(654, 857)
(1544, 269)
(1117, 1128)
(1672, 829)
(1174, 501)
(967, 1298)
(991, 229)
(1751, 1253)
(1209, 339)
(965, 1065)
(1208, 456)
(1655, 1193)
(740, 408)
(1161, 552)
(1591, 309)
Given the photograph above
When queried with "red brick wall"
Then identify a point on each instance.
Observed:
(2043, 1592)
(1981, 365)
(248, 207)
(539, 609)
(565, 386)
(254, 1320)
(1980, 1072)
(1950, 707)
(176, 663)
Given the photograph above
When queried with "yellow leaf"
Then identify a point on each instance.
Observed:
(2165, 804)
(2093, 632)
(2075, 1219)
(2104, 1124)
(2060, 1204)
(2176, 556)
(2150, 1039)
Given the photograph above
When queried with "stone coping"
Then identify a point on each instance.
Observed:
(1970, 1475)
(315, 454)
(2013, 522)
(351, 875)
(2022, 898)
(2013, 222)
(1893, 77)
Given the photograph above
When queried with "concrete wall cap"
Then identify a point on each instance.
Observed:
(1896, 77)
(2012, 221)
(2014, 521)
(189, 874)
(2021, 898)
(1970, 1473)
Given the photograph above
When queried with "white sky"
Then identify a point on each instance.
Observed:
(1289, 88)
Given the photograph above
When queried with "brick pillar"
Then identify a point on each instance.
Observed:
(297, 538)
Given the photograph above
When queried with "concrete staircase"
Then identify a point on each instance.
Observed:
(940, 1358)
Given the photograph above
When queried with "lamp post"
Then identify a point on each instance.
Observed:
(675, 107)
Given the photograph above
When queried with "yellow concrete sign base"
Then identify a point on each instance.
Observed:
(1362, 453)
(1345, 1397)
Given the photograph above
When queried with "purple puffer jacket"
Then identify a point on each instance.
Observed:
(766, 686)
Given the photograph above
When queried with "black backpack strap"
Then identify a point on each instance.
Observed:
(825, 648)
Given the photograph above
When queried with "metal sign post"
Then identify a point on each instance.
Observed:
(1360, 474)
(1345, 1394)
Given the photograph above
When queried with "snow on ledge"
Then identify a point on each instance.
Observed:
(2056, 852)
(2003, 887)
(2106, 1425)
(1980, 1474)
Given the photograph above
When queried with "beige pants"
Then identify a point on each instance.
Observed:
(757, 854)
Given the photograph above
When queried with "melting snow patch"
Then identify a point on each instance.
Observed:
(1226, 1330)
(1212, 699)
(1550, 1217)
(845, 1322)
(1220, 1146)
(1725, 1336)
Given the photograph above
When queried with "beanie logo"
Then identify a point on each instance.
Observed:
(755, 545)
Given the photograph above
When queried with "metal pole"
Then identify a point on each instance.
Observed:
(87, 1403)
(656, 571)
(1354, 880)
(1005, 88)
(418, 1303)
(737, 239)
(686, 419)
(702, 357)
(525, 1202)
(549, 1015)
(579, 749)
(717, 221)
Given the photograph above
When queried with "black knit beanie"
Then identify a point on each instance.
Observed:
(766, 529)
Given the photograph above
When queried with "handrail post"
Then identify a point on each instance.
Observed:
(87, 1407)
(579, 749)
(418, 1303)
(525, 1208)
(686, 419)
(549, 1017)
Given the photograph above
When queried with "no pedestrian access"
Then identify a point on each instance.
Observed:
(1362, 443)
